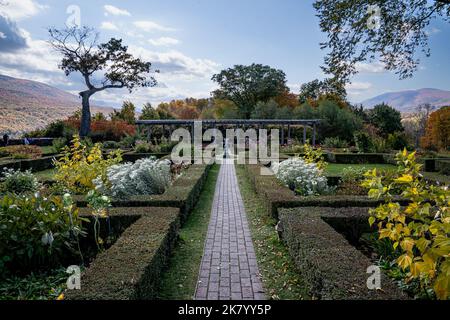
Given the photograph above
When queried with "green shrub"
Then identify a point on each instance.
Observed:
(397, 141)
(334, 142)
(111, 145)
(364, 142)
(59, 144)
(18, 182)
(36, 232)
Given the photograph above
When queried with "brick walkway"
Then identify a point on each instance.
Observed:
(228, 269)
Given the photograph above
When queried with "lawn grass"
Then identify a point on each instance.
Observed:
(335, 169)
(180, 279)
(46, 150)
(45, 175)
(280, 278)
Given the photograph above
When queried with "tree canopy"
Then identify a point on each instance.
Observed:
(247, 85)
(391, 31)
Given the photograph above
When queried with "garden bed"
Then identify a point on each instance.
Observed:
(278, 196)
(182, 194)
(132, 267)
(330, 266)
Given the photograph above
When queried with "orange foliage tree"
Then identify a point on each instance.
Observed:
(437, 131)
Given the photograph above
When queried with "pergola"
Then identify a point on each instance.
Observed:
(312, 123)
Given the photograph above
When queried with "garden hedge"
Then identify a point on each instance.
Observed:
(331, 267)
(275, 195)
(183, 193)
(131, 268)
(355, 158)
(34, 165)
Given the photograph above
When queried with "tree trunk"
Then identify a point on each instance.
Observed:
(85, 126)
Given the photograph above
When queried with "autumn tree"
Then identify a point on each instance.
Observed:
(392, 31)
(110, 62)
(437, 132)
(247, 85)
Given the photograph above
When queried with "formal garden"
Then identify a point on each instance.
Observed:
(116, 206)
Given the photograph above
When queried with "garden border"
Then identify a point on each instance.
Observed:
(131, 268)
(331, 267)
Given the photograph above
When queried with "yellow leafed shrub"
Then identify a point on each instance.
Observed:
(79, 165)
(314, 156)
(421, 229)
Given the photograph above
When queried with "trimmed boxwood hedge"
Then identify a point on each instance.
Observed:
(131, 268)
(329, 265)
(34, 165)
(183, 193)
(275, 195)
(356, 158)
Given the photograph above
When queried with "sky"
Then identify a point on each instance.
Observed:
(190, 40)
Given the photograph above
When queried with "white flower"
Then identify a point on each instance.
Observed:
(47, 238)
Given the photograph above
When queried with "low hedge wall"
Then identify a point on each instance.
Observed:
(330, 266)
(355, 158)
(443, 166)
(132, 156)
(131, 268)
(34, 165)
(182, 194)
(276, 196)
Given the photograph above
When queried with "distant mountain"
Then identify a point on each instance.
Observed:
(27, 105)
(406, 101)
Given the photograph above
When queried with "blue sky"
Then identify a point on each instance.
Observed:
(190, 40)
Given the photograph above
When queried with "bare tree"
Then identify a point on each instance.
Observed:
(108, 61)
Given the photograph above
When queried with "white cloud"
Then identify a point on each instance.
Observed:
(358, 86)
(150, 26)
(374, 67)
(109, 9)
(176, 63)
(164, 41)
(107, 25)
(2, 35)
(21, 9)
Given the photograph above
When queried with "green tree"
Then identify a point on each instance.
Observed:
(148, 112)
(392, 31)
(265, 110)
(127, 113)
(385, 118)
(81, 53)
(247, 85)
(315, 89)
(335, 121)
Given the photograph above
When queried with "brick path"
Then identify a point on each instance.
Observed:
(228, 269)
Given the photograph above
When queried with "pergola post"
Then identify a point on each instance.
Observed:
(289, 133)
(304, 134)
(149, 134)
(282, 135)
(192, 132)
(314, 135)
(163, 135)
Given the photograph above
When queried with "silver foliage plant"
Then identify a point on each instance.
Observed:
(143, 177)
(303, 178)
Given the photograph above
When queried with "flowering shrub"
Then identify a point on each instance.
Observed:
(144, 177)
(420, 230)
(18, 182)
(314, 156)
(36, 231)
(302, 177)
(79, 165)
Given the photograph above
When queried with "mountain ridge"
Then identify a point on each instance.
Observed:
(408, 100)
(27, 105)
